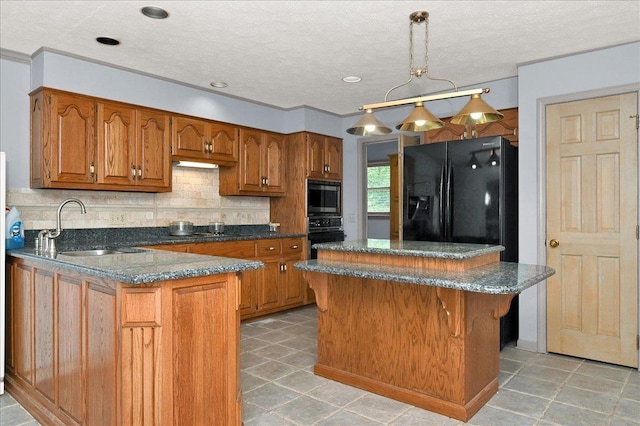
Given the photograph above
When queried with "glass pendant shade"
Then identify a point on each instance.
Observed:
(476, 111)
(420, 120)
(369, 125)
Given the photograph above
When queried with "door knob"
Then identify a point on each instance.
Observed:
(554, 243)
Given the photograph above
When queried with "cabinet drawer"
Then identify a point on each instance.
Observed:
(267, 247)
(237, 249)
(292, 246)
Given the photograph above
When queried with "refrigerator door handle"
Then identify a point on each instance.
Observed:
(441, 199)
(448, 199)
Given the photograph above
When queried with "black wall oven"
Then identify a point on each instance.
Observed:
(324, 198)
(326, 229)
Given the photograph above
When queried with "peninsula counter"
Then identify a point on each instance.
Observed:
(135, 338)
(415, 321)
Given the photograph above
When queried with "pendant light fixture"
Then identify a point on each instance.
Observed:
(421, 119)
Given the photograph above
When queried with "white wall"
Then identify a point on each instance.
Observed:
(59, 71)
(14, 118)
(19, 75)
(608, 68)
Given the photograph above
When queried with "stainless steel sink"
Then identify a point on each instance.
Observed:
(100, 252)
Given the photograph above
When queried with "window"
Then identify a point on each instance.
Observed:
(378, 193)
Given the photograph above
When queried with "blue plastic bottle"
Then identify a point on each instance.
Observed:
(14, 238)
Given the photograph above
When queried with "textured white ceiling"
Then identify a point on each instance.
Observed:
(293, 53)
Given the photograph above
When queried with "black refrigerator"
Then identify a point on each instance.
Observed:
(465, 191)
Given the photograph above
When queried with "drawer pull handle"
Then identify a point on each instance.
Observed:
(294, 247)
(271, 248)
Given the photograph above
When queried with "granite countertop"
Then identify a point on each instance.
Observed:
(496, 278)
(80, 239)
(140, 266)
(412, 248)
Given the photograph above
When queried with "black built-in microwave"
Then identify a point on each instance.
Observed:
(324, 198)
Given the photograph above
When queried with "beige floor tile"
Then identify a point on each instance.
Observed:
(306, 410)
(520, 403)
(596, 401)
(533, 386)
(563, 414)
(491, 416)
(629, 409)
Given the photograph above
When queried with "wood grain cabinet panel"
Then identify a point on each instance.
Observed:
(507, 127)
(309, 156)
(88, 351)
(82, 142)
(204, 140)
(261, 167)
(275, 287)
(324, 157)
(63, 133)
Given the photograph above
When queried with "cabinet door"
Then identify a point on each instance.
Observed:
(203, 350)
(72, 143)
(153, 164)
(248, 284)
(333, 158)
(20, 322)
(224, 142)
(116, 162)
(70, 302)
(315, 156)
(274, 162)
(189, 138)
(252, 177)
(293, 285)
(268, 287)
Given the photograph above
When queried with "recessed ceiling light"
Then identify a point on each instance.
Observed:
(154, 12)
(351, 79)
(219, 84)
(108, 41)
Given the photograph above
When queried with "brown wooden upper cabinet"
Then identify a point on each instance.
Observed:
(204, 140)
(507, 127)
(80, 142)
(324, 157)
(261, 166)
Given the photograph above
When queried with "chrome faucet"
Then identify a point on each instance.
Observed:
(47, 238)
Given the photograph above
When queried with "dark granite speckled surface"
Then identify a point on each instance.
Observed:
(496, 278)
(142, 266)
(412, 248)
(76, 239)
(146, 266)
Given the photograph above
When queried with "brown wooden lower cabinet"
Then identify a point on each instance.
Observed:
(82, 350)
(275, 287)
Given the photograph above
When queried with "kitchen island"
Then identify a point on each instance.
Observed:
(137, 337)
(415, 321)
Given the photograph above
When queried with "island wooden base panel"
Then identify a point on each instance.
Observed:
(417, 399)
(433, 347)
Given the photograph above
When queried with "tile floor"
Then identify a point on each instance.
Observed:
(278, 354)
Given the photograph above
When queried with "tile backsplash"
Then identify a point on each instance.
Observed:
(194, 197)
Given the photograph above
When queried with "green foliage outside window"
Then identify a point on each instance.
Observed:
(378, 194)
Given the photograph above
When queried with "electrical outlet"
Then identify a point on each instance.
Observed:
(117, 218)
